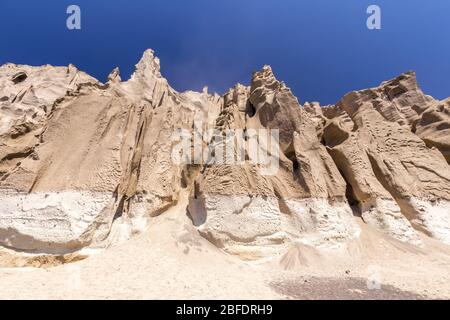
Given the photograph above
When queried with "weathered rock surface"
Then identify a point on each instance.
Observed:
(396, 179)
(434, 127)
(85, 153)
(85, 164)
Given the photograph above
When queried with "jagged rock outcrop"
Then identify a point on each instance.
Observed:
(398, 182)
(433, 127)
(86, 164)
(401, 100)
(27, 97)
(376, 205)
(304, 200)
(82, 168)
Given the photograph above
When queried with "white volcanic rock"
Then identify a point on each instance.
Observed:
(110, 140)
(54, 222)
(86, 164)
(302, 201)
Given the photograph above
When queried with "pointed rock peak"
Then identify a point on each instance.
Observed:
(406, 82)
(392, 88)
(71, 69)
(240, 87)
(267, 80)
(408, 74)
(238, 95)
(405, 91)
(114, 76)
(408, 77)
(149, 65)
(237, 88)
(267, 68)
(265, 72)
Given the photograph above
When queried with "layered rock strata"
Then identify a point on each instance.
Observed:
(86, 164)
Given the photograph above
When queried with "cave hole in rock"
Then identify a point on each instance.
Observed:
(184, 183)
(351, 198)
(295, 165)
(196, 190)
(250, 109)
(196, 210)
(19, 77)
(290, 154)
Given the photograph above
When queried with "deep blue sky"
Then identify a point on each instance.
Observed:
(320, 48)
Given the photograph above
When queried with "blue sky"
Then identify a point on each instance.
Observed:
(320, 48)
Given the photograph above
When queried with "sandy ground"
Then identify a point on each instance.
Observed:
(171, 261)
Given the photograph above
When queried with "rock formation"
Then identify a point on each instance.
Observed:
(396, 178)
(86, 164)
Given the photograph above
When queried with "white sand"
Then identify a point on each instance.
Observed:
(170, 260)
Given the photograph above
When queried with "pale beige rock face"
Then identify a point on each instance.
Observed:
(303, 202)
(401, 100)
(382, 158)
(86, 164)
(376, 204)
(113, 140)
(27, 102)
(433, 127)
